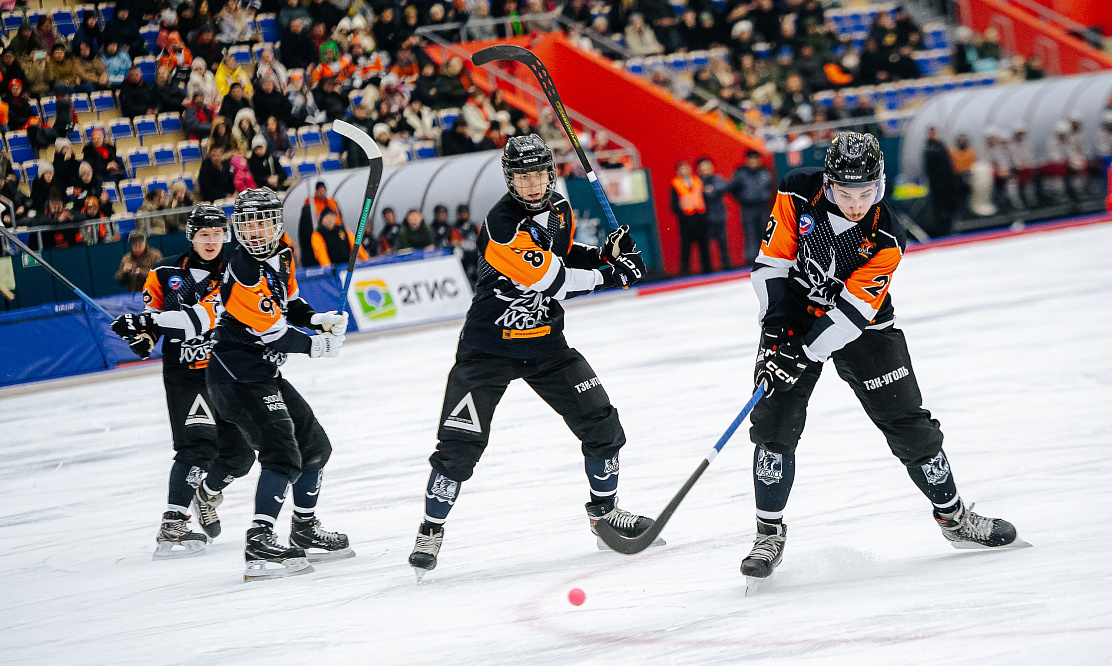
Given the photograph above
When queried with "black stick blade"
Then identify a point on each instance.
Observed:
(503, 52)
(633, 545)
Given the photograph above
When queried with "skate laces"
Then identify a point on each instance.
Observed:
(206, 507)
(323, 534)
(621, 519)
(766, 546)
(976, 526)
(427, 543)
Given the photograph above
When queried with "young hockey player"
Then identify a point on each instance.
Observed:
(253, 338)
(182, 298)
(822, 278)
(528, 263)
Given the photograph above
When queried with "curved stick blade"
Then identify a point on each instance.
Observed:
(502, 52)
(361, 138)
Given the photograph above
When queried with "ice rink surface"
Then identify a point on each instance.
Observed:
(1012, 347)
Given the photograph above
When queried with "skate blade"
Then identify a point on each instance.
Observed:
(752, 585)
(970, 545)
(420, 573)
(166, 551)
(330, 555)
(262, 569)
(602, 544)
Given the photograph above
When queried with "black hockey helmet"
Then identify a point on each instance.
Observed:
(257, 221)
(854, 160)
(526, 154)
(207, 216)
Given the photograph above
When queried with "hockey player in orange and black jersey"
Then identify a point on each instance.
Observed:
(182, 297)
(253, 338)
(528, 263)
(822, 276)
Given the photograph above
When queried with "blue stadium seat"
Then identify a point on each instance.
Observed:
(190, 151)
(825, 99)
(31, 169)
(242, 54)
(163, 154)
(149, 33)
(268, 27)
(309, 137)
(948, 84)
(228, 207)
(107, 11)
(767, 109)
(158, 183)
(113, 194)
(146, 126)
(699, 59)
(81, 103)
(426, 150)
(927, 88)
(49, 107)
(169, 122)
(286, 166)
(332, 163)
(305, 168)
(125, 224)
(291, 134)
(677, 63)
(137, 158)
(147, 65)
(762, 50)
(447, 117)
(120, 128)
(635, 66)
(19, 146)
(335, 141)
(926, 63)
(132, 193)
(65, 23)
(102, 101)
(12, 21)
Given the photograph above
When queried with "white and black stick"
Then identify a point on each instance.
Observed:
(634, 545)
(374, 178)
(527, 58)
(64, 280)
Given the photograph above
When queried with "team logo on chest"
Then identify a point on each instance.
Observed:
(866, 248)
(806, 224)
(174, 282)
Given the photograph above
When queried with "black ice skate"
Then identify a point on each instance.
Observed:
(626, 524)
(423, 557)
(768, 549)
(175, 539)
(965, 529)
(266, 559)
(319, 545)
(205, 505)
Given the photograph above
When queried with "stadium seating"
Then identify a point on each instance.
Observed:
(331, 162)
(268, 27)
(19, 147)
(335, 140)
(158, 183)
(163, 154)
(147, 65)
(189, 151)
(49, 106)
(149, 33)
(103, 102)
(81, 103)
(137, 158)
(132, 193)
(146, 126)
(169, 123)
(65, 22)
(309, 137)
(304, 168)
(242, 54)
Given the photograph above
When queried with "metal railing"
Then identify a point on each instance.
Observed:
(174, 219)
(535, 97)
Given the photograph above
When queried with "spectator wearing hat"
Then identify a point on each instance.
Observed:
(139, 261)
(102, 157)
(20, 108)
(61, 70)
(203, 82)
(234, 102)
(457, 141)
(230, 72)
(176, 57)
(10, 67)
(443, 232)
(204, 45)
(89, 31)
(330, 100)
(89, 185)
(41, 187)
(332, 243)
(214, 180)
(269, 102)
(393, 152)
(26, 41)
(269, 68)
(197, 118)
(265, 167)
(331, 65)
(298, 50)
(91, 70)
(116, 63)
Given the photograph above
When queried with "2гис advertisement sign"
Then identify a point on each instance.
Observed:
(405, 293)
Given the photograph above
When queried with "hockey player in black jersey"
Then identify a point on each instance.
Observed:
(822, 277)
(253, 338)
(527, 264)
(182, 298)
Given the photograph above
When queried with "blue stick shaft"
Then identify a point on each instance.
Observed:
(597, 186)
(757, 395)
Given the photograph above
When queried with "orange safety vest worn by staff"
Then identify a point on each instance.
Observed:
(691, 198)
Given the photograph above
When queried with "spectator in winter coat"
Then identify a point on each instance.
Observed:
(388, 238)
(204, 45)
(154, 201)
(715, 188)
(196, 119)
(221, 134)
(442, 230)
(244, 130)
(457, 141)
(41, 187)
(751, 187)
(241, 173)
(135, 265)
(61, 70)
(393, 151)
(88, 185)
(228, 73)
(20, 109)
(269, 102)
(234, 102)
(640, 38)
(269, 68)
(330, 100)
(90, 68)
(291, 10)
(116, 63)
(102, 157)
(175, 57)
(332, 243)
(26, 41)
(265, 167)
(414, 234)
(89, 32)
(169, 95)
(214, 181)
(298, 51)
(65, 167)
(352, 156)
(136, 97)
(203, 82)
(277, 140)
(121, 29)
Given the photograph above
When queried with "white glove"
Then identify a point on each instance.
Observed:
(331, 322)
(326, 345)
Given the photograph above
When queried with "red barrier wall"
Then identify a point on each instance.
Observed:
(663, 130)
(1021, 32)
(1089, 13)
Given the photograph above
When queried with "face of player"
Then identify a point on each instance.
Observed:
(531, 186)
(855, 202)
(207, 242)
(256, 233)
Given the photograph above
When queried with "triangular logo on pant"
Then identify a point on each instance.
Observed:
(464, 416)
(199, 413)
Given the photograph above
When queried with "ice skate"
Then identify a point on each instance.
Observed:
(768, 549)
(627, 524)
(967, 530)
(205, 505)
(423, 557)
(175, 539)
(319, 545)
(266, 559)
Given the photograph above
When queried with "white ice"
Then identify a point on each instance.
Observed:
(1011, 343)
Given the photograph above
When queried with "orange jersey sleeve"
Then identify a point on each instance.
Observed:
(870, 283)
(781, 239)
(521, 260)
(152, 291)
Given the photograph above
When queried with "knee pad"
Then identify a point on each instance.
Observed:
(456, 459)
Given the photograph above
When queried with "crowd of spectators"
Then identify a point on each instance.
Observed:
(1014, 174)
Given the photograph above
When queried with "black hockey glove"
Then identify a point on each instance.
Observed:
(619, 242)
(139, 330)
(625, 271)
(780, 360)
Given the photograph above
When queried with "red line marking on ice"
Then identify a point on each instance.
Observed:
(676, 284)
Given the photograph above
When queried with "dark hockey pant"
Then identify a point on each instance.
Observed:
(877, 366)
(201, 437)
(477, 382)
(277, 422)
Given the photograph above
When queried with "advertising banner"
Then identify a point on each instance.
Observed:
(404, 293)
